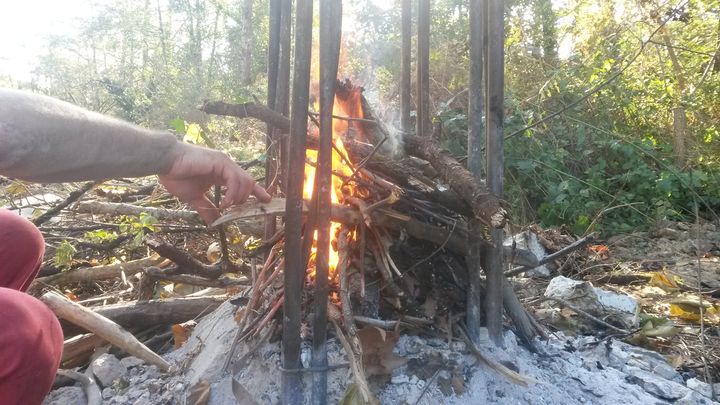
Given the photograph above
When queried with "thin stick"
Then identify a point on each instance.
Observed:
(71, 198)
(511, 375)
(586, 315)
(560, 253)
(103, 327)
(92, 391)
(427, 386)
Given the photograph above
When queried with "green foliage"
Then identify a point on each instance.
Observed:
(64, 254)
(138, 226)
(100, 236)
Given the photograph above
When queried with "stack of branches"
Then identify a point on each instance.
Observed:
(403, 233)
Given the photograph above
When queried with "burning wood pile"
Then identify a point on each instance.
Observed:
(399, 234)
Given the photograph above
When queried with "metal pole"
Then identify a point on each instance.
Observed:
(405, 91)
(292, 391)
(423, 69)
(282, 93)
(330, 34)
(495, 161)
(270, 140)
(475, 142)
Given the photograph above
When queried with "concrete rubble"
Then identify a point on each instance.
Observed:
(614, 308)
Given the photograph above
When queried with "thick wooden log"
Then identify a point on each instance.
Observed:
(99, 273)
(486, 207)
(103, 327)
(78, 349)
(116, 209)
(145, 314)
(248, 110)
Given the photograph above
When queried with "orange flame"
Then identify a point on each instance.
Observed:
(348, 107)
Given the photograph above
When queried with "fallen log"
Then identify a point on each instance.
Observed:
(189, 279)
(117, 209)
(103, 327)
(145, 314)
(98, 273)
(78, 349)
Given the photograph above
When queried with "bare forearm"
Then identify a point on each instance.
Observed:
(47, 140)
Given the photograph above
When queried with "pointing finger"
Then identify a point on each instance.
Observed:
(261, 194)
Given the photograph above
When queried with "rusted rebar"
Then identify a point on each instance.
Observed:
(330, 34)
(292, 389)
(495, 58)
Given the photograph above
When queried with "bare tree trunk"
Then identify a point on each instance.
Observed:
(246, 14)
(679, 113)
(679, 135)
(405, 90)
(211, 60)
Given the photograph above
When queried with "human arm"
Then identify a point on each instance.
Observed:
(47, 140)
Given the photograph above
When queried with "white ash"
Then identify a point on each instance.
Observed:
(570, 371)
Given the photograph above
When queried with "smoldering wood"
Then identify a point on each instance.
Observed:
(103, 327)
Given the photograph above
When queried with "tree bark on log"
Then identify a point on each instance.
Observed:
(78, 349)
(116, 209)
(98, 273)
(145, 314)
(103, 327)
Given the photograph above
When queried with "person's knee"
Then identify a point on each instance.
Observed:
(21, 250)
(31, 344)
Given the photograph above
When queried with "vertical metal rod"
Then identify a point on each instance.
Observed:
(475, 142)
(330, 34)
(495, 160)
(270, 140)
(292, 390)
(406, 68)
(476, 133)
(282, 93)
(423, 69)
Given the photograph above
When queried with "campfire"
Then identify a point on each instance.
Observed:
(397, 238)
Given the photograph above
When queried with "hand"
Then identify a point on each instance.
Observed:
(195, 169)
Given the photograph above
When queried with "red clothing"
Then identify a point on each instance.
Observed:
(31, 339)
